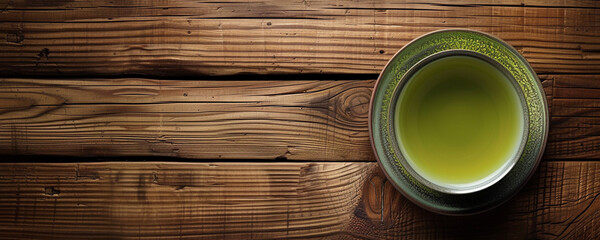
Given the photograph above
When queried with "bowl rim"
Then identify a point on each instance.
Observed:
(539, 154)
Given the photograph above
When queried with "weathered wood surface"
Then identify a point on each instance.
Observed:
(575, 122)
(153, 200)
(297, 120)
(171, 38)
(316, 121)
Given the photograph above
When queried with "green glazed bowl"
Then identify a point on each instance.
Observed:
(392, 160)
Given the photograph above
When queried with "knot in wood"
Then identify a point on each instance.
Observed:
(382, 202)
(353, 104)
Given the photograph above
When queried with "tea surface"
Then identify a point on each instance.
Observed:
(458, 121)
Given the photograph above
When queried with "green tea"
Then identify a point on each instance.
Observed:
(458, 121)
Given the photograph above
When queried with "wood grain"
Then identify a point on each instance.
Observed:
(175, 38)
(152, 200)
(296, 120)
(316, 120)
(575, 120)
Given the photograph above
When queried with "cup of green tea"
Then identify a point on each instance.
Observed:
(458, 121)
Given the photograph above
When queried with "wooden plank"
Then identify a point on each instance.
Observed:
(296, 120)
(313, 120)
(575, 117)
(272, 201)
(174, 38)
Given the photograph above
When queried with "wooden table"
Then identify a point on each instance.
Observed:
(190, 119)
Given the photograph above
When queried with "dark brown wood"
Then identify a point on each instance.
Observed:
(296, 120)
(575, 124)
(313, 120)
(174, 38)
(150, 200)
